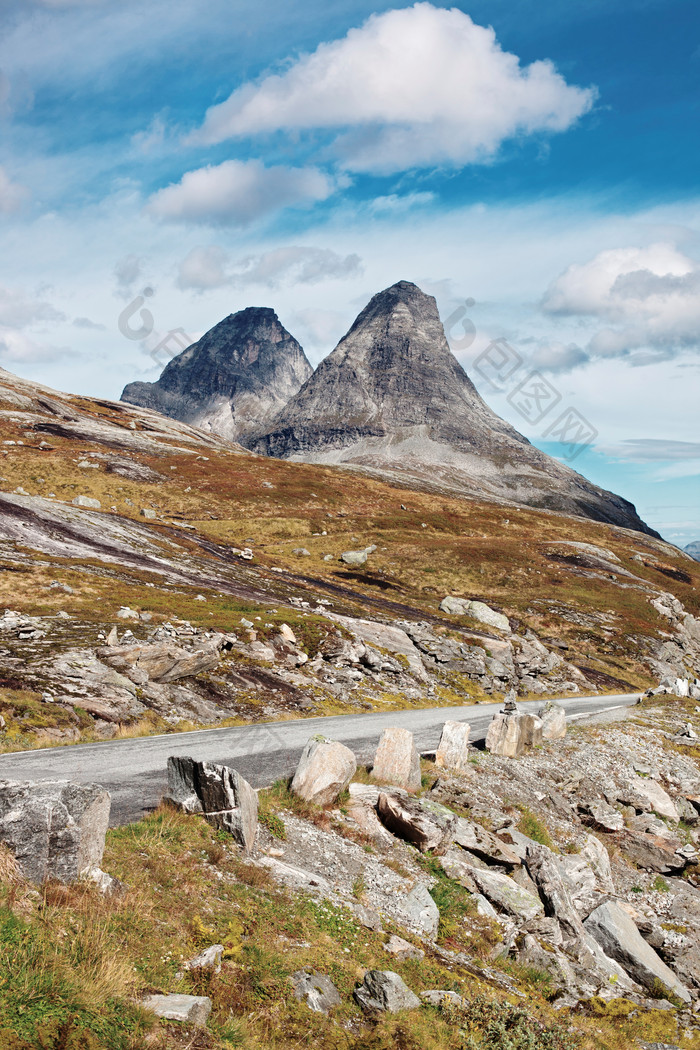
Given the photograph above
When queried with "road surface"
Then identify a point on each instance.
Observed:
(134, 771)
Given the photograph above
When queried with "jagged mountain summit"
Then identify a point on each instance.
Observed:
(393, 400)
(233, 380)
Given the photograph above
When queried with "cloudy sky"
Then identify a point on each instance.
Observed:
(534, 166)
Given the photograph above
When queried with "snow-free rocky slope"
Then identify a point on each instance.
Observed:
(392, 399)
(235, 378)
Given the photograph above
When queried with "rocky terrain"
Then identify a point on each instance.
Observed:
(693, 549)
(233, 380)
(154, 576)
(462, 901)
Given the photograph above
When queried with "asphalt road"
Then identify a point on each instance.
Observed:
(134, 771)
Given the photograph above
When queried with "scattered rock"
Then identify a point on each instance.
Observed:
(437, 997)
(383, 990)
(619, 938)
(483, 844)
(501, 890)
(397, 761)
(218, 792)
(453, 749)
(421, 911)
(402, 949)
(477, 610)
(190, 1009)
(659, 800)
(354, 557)
(316, 990)
(602, 815)
(56, 830)
(148, 512)
(209, 959)
(405, 817)
(86, 501)
(325, 769)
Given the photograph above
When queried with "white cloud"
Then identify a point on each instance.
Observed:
(19, 311)
(396, 203)
(17, 348)
(12, 195)
(211, 267)
(239, 192)
(85, 322)
(553, 356)
(651, 295)
(654, 450)
(127, 271)
(415, 87)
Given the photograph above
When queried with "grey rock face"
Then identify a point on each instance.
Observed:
(392, 399)
(383, 990)
(219, 792)
(235, 378)
(693, 549)
(619, 938)
(56, 830)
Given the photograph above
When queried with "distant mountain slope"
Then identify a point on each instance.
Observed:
(693, 549)
(235, 378)
(392, 399)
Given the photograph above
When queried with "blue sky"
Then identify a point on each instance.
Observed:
(538, 159)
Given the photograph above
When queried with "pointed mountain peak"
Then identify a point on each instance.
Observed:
(233, 379)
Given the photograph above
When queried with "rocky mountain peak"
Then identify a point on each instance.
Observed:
(392, 399)
(233, 379)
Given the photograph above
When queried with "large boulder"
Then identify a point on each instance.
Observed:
(453, 749)
(553, 718)
(355, 558)
(509, 733)
(383, 990)
(325, 769)
(221, 794)
(404, 816)
(503, 736)
(56, 830)
(620, 939)
(397, 761)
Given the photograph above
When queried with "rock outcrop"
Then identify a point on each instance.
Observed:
(234, 379)
(392, 399)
